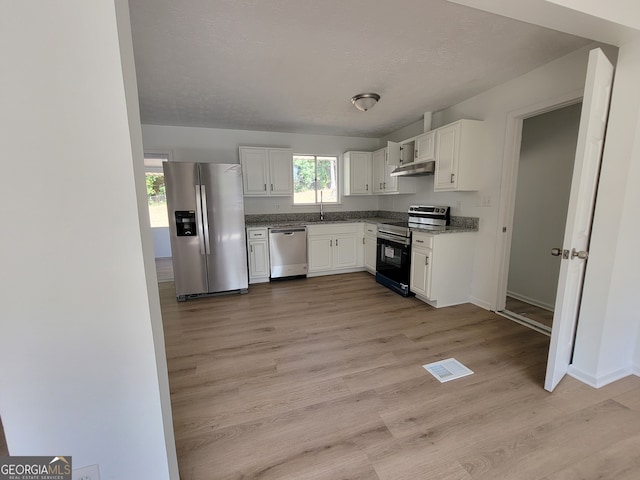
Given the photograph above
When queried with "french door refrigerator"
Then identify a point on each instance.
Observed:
(206, 221)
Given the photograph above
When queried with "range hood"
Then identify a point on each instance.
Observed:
(415, 169)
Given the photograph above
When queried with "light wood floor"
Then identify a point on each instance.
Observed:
(321, 379)
(540, 315)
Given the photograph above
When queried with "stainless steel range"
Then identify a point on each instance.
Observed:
(393, 261)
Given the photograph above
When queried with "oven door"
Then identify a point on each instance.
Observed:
(393, 259)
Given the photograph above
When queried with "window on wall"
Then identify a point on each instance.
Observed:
(156, 197)
(315, 179)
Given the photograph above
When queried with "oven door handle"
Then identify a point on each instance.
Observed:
(394, 238)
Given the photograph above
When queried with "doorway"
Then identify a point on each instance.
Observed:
(543, 185)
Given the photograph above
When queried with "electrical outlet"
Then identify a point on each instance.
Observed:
(487, 200)
(86, 473)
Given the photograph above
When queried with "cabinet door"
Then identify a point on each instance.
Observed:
(447, 153)
(379, 170)
(425, 147)
(421, 272)
(258, 258)
(281, 172)
(370, 253)
(345, 251)
(360, 173)
(254, 171)
(320, 253)
(390, 183)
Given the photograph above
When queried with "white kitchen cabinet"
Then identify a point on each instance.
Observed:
(459, 154)
(380, 175)
(267, 171)
(369, 242)
(334, 248)
(383, 182)
(425, 147)
(441, 267)
(357, 173)
(420, 280)
(258, 253)
(320, 252)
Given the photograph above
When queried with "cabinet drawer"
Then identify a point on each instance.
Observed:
(370, 229)
(422, 241)
(259, 233)
(332, 229)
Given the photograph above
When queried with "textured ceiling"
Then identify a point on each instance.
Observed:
(293, 65)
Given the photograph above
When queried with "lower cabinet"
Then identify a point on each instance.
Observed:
(334, 248)
(369, 242)
(258, 250)
(441, 267)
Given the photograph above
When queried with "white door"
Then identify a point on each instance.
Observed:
(254, 171)
(281, 172)
(346, 251)
(593, 121)
(360, 173)
(379, 170)
(320, 253)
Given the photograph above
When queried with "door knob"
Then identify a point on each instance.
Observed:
(582, 254)
(556, 252)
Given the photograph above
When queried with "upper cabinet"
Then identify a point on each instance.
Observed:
(458, 155)
(357, 173)
(267, 171)
(425, 147)
(383, 182)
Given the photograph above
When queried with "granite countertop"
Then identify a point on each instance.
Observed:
(458, 224)
(288, 223)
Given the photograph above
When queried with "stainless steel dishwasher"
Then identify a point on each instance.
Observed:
(288, 251)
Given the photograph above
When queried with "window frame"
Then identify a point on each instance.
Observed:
(338, 179)
(163, 156)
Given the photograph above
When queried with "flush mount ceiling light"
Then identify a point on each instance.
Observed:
(365, 101)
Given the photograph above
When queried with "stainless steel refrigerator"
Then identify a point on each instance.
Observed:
(206, 222)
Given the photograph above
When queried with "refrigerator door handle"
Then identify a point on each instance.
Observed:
(205, 219)
(199, 217)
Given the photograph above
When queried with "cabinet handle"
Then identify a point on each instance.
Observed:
(415, 154)
(272, 187)
(366, 186)
(452, 177)
(251, 248)
(265, 187)
(419, 241)
(336, 242)
(380, 186)
(426, 260)
(384, 186)
(331, 243)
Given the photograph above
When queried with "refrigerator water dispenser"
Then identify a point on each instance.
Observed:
(185, 223)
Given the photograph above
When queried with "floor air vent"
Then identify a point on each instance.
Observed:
(446, 370)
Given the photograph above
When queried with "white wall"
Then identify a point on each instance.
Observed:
(606, 340)
(79, 317)
(161, 242)
(217, 145)
(547, 153)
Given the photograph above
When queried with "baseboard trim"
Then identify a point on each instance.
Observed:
(601, 380)
(532, 301)
(480, 303)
